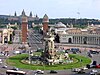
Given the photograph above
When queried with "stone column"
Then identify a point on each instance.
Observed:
(77, 40)
(73, 39)
(98, 40)
(87, 39)
(91, 40)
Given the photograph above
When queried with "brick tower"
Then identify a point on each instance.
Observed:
(24, 27)
(45, 24)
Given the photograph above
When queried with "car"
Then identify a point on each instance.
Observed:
(81, 71)
(84, 68)
(90, 55)
(66, 51)
(0, 61)
(23, 51)
(53, 71)
(94, 63)
(1, 54)
(90, 66)
(39, 72)
(15, 68)
(93, 72)
(74, 49)
(98, 66)
(4, 66)
(17, 52)
(94, 52)
(39, 50)
(76, 70)
(74, 52)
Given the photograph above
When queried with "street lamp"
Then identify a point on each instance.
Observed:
(29, 55)
(29, 51)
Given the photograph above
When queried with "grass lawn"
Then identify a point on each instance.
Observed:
(79, 61)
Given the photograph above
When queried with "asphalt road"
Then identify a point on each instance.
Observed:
(35, 41)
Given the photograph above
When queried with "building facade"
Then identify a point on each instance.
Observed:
(89, 36)
(6, 35)
(18, 18)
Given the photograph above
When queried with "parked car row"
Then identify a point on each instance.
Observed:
(81, 71)
(94, 51)
(42, 72)
(93, 65)
(73, 50)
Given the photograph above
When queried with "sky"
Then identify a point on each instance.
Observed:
(53, 8)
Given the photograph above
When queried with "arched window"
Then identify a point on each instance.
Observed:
(5, 40)
(69, 40)
(85, 40)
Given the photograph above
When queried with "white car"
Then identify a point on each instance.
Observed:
(2, 54)
(76, 70)
(4, 66)
(93, 72)
(84, 68)
(39, 72)
(17, 52)
(0, 61)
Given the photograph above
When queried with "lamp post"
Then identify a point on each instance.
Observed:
(29, 55)
(29, 49)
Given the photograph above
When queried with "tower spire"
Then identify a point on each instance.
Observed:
(15, 14)
(30, 14)
(23, 13)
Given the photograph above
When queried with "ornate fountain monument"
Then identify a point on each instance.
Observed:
(50, 55)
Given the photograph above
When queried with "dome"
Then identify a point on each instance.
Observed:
(60, 24)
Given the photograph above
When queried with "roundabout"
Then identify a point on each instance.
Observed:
(49, 58)
(78, 61)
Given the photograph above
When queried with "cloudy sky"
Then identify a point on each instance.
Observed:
(53, 8)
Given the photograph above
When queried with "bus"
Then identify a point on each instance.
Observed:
(13, 72)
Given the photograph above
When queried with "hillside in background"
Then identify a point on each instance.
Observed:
(67, 21)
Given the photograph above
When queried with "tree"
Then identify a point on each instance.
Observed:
(14, 28)
(9, 42)
(57, 38)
